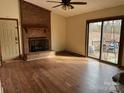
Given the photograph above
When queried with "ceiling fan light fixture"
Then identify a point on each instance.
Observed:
(69, 7)
(64, 7)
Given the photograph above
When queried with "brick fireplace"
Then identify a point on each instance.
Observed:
(36, 39)
(36, 28)
(37, 42)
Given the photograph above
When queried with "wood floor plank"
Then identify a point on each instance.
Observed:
(57, 75)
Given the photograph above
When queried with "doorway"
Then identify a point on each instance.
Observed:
(9, 39)
(104, 40)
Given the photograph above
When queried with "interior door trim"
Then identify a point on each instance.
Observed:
(14, 19)
(121, 47)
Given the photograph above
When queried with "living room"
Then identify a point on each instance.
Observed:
(49, 47)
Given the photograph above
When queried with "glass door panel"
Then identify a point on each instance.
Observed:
(94, 39)
(111, 41)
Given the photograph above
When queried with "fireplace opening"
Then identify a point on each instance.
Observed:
(38, 44)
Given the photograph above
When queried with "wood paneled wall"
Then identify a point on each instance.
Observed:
(33, 16)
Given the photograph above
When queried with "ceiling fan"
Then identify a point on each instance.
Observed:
(67, 4)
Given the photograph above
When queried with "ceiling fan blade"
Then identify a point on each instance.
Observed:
(72, 7)
(78, 3)
(57, 6)
(54, 2)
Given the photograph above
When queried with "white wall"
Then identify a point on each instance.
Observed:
(76, 27)
(10, 9)
(58, 32)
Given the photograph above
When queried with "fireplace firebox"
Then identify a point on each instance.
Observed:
(38, 44)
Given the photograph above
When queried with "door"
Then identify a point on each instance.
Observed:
(111, 40)
(94, 39)
(104, 40)
(9, 39)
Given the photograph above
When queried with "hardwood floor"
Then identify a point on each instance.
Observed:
(57, 75)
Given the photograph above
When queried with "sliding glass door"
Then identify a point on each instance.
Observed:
(111, 40)
(104, 40)
(94, 39)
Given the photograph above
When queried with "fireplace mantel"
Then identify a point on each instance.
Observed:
(36, 31)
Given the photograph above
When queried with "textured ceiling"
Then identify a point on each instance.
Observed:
(92, 5)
